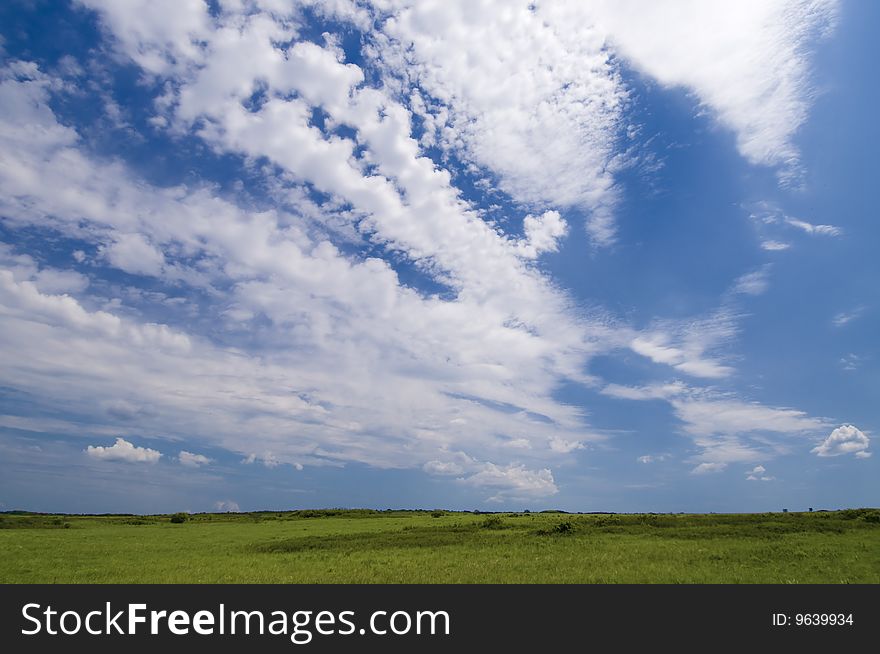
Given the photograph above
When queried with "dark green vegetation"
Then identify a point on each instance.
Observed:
(363, 546)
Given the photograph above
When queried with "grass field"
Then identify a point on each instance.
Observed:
(361, 546)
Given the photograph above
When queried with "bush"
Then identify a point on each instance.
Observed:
(438, 514)
(562, 529)
(179, 518)
(492, 522)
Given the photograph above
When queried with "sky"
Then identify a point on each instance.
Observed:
(494, 255)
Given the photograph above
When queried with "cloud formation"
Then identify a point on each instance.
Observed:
(122, 450)
(193, 460)
(382, 298)
(846, 439)
(758, 473)
(747, 62)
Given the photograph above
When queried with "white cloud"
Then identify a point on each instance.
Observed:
(513, 481)
(850, 361)
(528, 93)
(542, 233)
(753, 283)
(809, 228)
(46, 280)
(846, 317)
(443, 468)
(227, 506)
(358, 365)
(652, 458)
(160, 35)
(267, 459)
(708, 468)
(774, 246)
(725, 428)
(122, 450)
(133, 254)
(727, 417)
(845, 439)
(193, 460)
(684, 346)
(748, 62)
(770, 220)
(758, 473)
(652, 392)
(562, 446)
(418, 367)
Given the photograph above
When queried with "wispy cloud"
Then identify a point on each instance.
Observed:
(809, 228)
(753, 283)
(709, 468)
(846, 317)
(685, 346)
(753, 74)
(774, 246)
(850, 361)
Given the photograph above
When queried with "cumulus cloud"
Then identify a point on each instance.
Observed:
(845, 439)
(513, 482)
(540, 71)
(122, 450)
(758, 473)
(354, 364)
(193, 460)
(133, 254)
(542, 233)
(504, 338)
(227, 506)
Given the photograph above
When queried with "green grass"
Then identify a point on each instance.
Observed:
(362, 546)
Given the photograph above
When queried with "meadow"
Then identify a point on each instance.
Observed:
(364, 546)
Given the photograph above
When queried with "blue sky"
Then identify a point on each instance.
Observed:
(495, 255)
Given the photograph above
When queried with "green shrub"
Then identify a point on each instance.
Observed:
(438, 514)
(561, 529)
(492, 522)
(179, 518)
